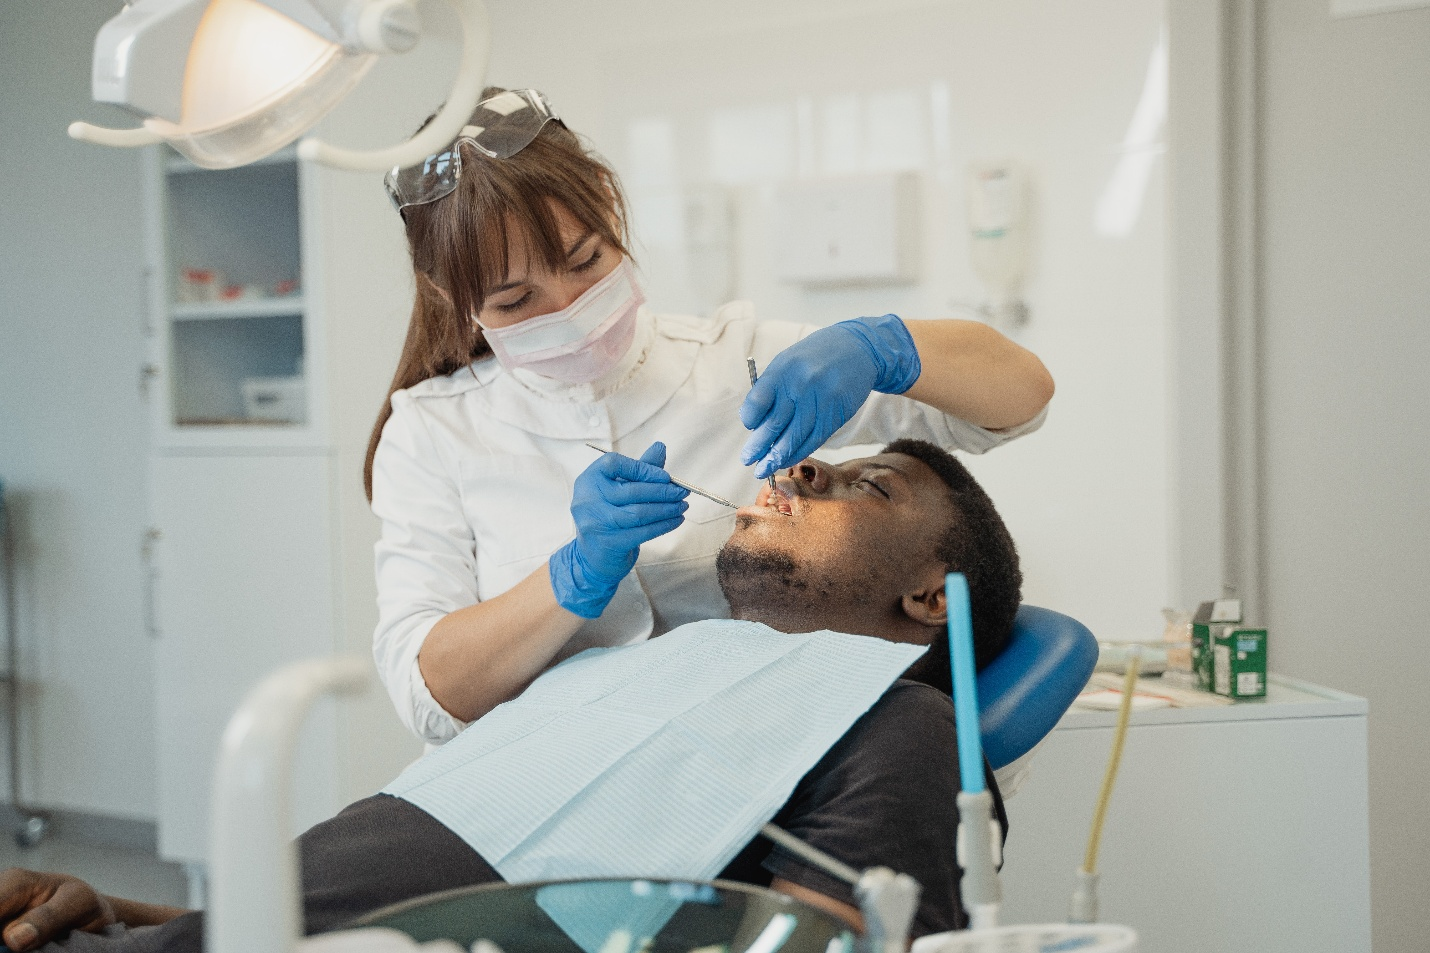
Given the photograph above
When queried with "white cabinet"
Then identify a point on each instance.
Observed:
(243, 585)
(233, 326)
(1231, 829)
(261, 537)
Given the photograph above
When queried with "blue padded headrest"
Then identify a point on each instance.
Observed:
(1027, 688)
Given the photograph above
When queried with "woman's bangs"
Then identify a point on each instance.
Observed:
(512, 210)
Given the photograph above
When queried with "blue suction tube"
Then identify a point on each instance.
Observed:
(965, 683)
(979, 839)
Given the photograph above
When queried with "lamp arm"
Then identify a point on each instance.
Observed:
(444, 127)
(122, 138)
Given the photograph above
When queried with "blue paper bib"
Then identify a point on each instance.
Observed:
(660, 760)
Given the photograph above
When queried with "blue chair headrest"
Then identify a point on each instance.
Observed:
(1027, 688)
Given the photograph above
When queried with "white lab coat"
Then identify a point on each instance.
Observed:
(474, 473)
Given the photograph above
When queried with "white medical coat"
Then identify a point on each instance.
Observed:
(474, 474)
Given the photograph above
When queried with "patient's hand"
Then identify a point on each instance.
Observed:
(39, 907)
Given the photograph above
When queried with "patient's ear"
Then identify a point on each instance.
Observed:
(926, 603)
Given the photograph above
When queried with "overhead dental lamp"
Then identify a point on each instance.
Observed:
(226, 82)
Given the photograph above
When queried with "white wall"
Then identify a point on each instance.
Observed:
(73, 437)
(1345, 243)
(750, 95)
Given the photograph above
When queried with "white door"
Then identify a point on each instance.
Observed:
(243, 585)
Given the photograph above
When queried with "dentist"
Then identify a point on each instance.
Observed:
(507, 543)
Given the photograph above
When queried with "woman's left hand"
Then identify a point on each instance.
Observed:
(814, 386)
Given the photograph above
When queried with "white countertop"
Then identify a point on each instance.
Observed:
(1285, 698)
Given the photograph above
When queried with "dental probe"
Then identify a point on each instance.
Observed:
(750, 363)
(683, 485)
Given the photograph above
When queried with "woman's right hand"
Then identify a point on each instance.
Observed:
(39, 907)
(618, 504)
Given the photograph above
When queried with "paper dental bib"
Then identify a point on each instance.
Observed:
(660, 759)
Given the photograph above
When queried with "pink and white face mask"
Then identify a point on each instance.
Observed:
(581, 342)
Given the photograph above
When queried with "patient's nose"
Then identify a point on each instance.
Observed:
(813, 473)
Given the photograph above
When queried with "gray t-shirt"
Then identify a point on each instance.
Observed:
(884, 795)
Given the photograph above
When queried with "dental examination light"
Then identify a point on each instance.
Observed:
(980, 839)
(226, 82)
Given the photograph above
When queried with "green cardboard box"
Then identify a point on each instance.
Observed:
(1239, 662)
(1210, 621)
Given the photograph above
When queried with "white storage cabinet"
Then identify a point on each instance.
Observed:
(1231, 829)
(260, 540)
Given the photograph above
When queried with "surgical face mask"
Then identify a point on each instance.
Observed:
(581, 342)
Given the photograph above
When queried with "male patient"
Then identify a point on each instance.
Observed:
(860, 548)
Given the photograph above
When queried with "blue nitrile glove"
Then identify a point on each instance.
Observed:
(815, 385)
(618, 503)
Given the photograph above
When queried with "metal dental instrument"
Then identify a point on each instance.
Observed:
(682, 484)
(750, 363)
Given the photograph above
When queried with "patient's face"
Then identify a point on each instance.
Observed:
(830, 535)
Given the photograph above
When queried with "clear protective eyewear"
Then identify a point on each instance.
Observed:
(500, 127)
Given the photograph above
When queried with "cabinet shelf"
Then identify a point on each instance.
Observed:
(243, 308)
(251, 423)
(235, 368)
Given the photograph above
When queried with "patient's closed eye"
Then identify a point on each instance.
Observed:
(870, 483)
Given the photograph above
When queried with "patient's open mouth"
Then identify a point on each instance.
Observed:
(779, 499)
(768, 502)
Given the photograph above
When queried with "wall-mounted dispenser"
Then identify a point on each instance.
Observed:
(998, 238)
(860, 230)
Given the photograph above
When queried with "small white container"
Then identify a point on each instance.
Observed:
(199, 285)
(275, 399)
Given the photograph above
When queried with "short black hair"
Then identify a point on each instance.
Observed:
(977, 544)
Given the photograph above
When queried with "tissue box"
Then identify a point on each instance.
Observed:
(276, 399)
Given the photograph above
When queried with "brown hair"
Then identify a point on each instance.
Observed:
(459, 246)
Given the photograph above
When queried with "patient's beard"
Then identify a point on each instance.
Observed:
(767, 586)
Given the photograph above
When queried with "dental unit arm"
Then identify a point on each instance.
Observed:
(254, 905)
(887, 900)
(226, 82)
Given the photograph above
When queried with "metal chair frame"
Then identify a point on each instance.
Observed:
(32, 826)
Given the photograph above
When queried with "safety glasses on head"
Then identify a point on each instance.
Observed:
(500, 127)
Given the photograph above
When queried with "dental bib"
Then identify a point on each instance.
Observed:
(660, 760)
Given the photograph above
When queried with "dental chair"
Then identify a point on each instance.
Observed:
(254, 907)
(1025, 690)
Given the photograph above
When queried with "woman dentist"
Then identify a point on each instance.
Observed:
(507, 543)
